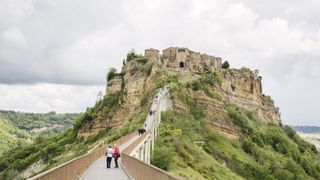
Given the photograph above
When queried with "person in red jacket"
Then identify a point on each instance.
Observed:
(116, 155)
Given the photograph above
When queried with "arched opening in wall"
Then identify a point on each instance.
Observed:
(181, 65)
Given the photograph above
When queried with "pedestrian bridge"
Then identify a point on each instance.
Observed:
(135, 157)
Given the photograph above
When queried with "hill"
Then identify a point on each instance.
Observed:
(222, 126)
(11, 136)
(19, 129)
(307, 129)
(40, 123)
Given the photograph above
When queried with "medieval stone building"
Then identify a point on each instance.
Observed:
(184, 59)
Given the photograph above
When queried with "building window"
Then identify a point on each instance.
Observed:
(181, 65)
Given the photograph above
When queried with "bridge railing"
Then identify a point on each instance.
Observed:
(138, 169)
(142, 171)
(75, 168)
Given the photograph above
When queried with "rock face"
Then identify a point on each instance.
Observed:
(243, 88)
(134, 86)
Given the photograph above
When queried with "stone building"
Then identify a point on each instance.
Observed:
(152, 54)
(183, 58)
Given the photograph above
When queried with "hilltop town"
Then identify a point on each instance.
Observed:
(177, 57)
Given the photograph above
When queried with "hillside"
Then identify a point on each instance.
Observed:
(221, 126)
(307, 129)
(11, 136)
(19, 129)
(192, 146)
(40, 123)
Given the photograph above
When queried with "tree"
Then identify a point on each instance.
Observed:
(225, 65)
(111, 74)
(256, 72)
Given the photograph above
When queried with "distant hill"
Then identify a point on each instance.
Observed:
(11, 136)
(19, 128)
(307, 129)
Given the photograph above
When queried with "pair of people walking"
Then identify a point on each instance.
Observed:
(112, 153)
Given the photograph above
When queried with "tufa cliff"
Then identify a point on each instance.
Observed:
(141, 75)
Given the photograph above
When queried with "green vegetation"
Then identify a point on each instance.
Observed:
(131, 55)
(113, 73)
(11, 136)
(225, 65)
(207, 82)
(51, 123)
(19, 129)
(143, 66)
(264, 150)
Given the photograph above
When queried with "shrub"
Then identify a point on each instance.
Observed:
(162, 157)
(225, 65)
(218, 77)
(141, 60)
(131, 55)
(111, 74)
(212, 93)
(240, 119)
(258, 138)
(248, 146)
(195, 85)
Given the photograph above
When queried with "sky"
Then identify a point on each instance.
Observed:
(54, 54)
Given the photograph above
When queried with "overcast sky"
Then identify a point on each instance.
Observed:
(54, 54)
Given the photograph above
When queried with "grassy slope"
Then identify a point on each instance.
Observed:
(265, 151)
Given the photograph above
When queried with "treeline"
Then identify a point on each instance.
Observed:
(40, 123)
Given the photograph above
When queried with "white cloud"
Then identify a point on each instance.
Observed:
(13, 36)
(48, 97)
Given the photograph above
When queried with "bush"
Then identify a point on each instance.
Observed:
(195, 85)
(141, 60)
(248, 146)
(131, 55)
(111, 74)
(239, 118)
(162, 157)
(225, 65)
(258, 138)
(218, 77)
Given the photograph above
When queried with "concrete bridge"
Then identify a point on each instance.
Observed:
(136, 151)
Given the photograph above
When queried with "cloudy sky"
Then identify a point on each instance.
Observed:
(54, 54)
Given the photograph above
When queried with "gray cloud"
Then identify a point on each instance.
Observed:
(74, 42)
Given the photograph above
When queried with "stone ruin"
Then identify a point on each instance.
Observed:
(184, 59)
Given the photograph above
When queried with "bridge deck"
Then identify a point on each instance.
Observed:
(99, 171)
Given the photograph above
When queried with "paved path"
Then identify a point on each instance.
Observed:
(99, 171)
